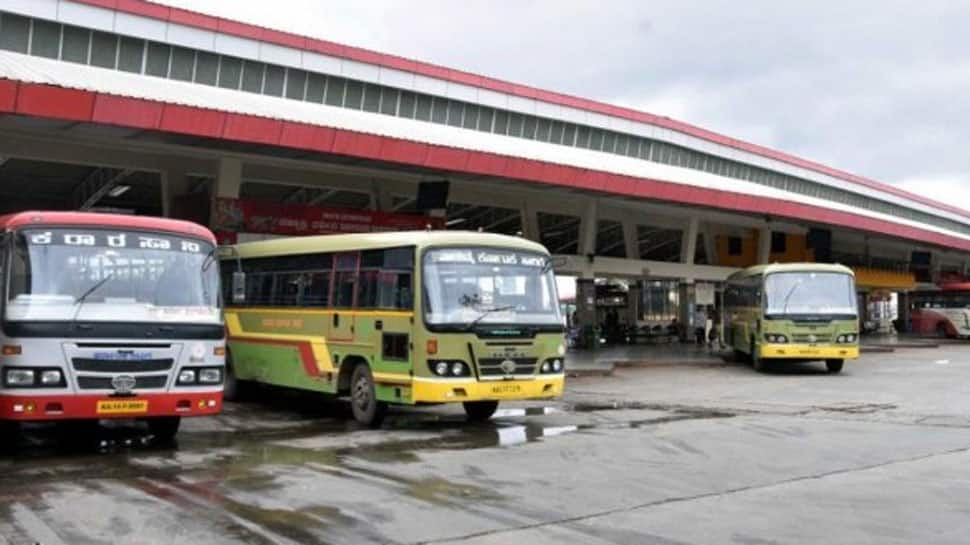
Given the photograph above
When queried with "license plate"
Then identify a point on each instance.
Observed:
(132, 406)
(506, 389)
(808, 352)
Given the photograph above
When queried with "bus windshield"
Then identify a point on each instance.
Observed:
(65, 274)
(467, 286)
(810, 293)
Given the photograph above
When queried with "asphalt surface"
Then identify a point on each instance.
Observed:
(671, 454)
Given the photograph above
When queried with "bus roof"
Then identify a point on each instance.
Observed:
(760, 270)
(374, 241)
(95, 219)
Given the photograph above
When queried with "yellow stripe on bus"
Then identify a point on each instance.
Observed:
(298, 310)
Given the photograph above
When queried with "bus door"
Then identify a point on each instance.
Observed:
(342, 322)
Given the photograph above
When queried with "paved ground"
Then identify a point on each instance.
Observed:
(700, 453)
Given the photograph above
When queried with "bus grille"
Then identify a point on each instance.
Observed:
(104, 383)
(805, 338)
(492, 367)
(121, 366)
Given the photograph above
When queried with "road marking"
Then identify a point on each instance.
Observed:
(942, 362)
(33, 526)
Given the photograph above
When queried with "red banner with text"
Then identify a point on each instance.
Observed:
(270, 218)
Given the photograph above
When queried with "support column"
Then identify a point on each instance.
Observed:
(764, 245)
(631, 240)
(174, 184)
(588, 226)
(380, 197)
(710, 248)
(226, 185)
(530, 222)
(688, 246)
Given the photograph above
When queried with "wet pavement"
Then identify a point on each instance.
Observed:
(711, 453)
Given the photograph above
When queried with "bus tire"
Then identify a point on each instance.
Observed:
(757, 362)
(164, 428)
(834, 366)
(234, 389)
(479, 411)
(367, 409)
(941, 330)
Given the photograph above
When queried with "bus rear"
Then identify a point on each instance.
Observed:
(108, 317)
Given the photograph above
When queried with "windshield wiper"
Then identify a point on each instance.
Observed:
(784, 310)
(486, 312)
(210, 258)
(79, 302)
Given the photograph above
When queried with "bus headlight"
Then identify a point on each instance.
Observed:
(51, 377)
(544, 368)
(187, 376)
(452, 368)
(776, 338)
(18, 377)
(847, 338)
(553, 365)
(556, 365)
(210, 375)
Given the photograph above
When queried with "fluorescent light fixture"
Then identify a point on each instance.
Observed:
(455, 221)
(118, 190)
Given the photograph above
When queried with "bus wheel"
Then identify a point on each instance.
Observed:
(367, 409)
(480, 411)
(164, 428)
(757, 362)
(234, 389)
(941, 330)
(834, 366)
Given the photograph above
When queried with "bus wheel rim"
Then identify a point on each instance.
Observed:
(362, 393)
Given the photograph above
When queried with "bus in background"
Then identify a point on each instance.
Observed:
(108, 317)
(396, 318)
(944, 312)
(795, 312)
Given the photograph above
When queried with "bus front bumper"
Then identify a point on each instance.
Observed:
(808, 351)
(27, 407)
(451, 391)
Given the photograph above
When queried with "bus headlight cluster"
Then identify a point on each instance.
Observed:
(554, 365)
(42, 377)
(200, 375)
(776, 338)
(847, 338)
(449, 368)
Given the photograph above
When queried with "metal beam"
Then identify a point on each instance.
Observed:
(97, 184)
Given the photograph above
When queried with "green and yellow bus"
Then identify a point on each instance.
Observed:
(396, 318)
(793, 311)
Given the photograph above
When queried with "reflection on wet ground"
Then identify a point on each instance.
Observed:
(278, 471)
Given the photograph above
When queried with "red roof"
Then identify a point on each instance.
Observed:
(146, 223)
(287, 39)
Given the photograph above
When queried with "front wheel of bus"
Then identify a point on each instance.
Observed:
(9, 434)
(367, 409)
(480, 411)
(164, 428)
(834, 366)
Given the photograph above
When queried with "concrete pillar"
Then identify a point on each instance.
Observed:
(530, 222)
(710, 248)
(903, 309)
(631, 240)
(228, 179)
(764, 245)
(688, 246)
(587, 228)
(686, 296)
(174, 184)
(380, 196)
(633, 303)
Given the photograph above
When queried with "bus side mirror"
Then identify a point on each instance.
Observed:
(238, 287)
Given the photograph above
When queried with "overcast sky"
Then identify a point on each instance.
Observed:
(879, 88)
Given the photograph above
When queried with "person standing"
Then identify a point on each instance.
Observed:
(700, 325)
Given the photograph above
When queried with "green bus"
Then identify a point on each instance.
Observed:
(793, 311)
(396, 318)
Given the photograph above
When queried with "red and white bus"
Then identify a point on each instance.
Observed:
(944, 312)
(106, 317)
